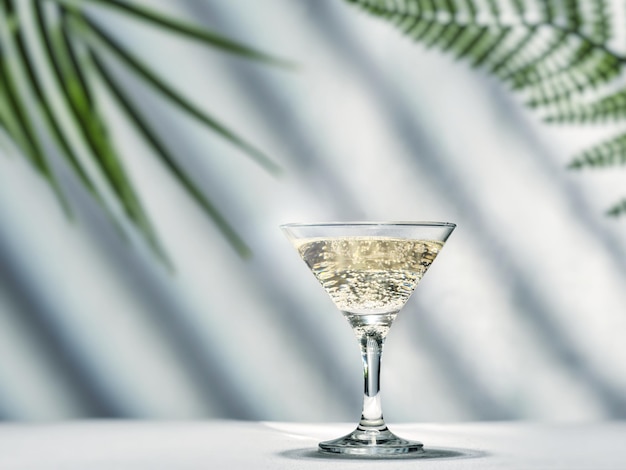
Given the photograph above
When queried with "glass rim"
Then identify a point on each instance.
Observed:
(369, 224)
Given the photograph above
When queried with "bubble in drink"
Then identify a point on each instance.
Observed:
(368, 275)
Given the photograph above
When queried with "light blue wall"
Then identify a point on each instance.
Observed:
(522, 316)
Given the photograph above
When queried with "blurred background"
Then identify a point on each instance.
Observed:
(522, 316)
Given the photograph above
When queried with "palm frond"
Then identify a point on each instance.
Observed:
(555, 53)
(194, 32)
(89, 121)
(40, 91)
(23, 125)
(43, 102)
(144, 129)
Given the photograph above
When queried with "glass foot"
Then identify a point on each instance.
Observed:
(375, 443)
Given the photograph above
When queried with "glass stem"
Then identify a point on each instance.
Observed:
(371, 353)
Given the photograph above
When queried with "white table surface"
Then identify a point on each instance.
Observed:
(236, 445)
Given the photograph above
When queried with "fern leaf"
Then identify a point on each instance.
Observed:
(555, 46)
(540, 60)
(610, 107)
(556, 53)
(572, 13)
(565, 90)
(599, 28)
(608, 153)
(574, 79)
(617, 210)
(504, 65)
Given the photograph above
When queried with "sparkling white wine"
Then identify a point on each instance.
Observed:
(368, 275)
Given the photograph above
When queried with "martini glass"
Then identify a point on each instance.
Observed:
(370, 270)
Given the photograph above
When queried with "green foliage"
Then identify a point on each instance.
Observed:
(609, 153)
(77, 53)
(556, 53)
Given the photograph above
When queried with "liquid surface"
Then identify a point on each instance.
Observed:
(369, 275)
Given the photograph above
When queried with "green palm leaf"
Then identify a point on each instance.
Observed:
(89, 121)
(14, 103)
(555, 53)
(135, 116)
(75, 53)
(195, 32)
(106, 41)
